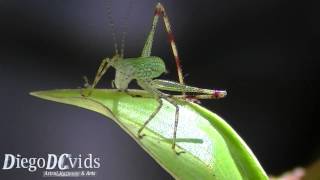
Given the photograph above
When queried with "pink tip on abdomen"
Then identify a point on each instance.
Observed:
(219, 94)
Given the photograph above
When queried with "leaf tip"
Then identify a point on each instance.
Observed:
(34, 93)
(40, 94)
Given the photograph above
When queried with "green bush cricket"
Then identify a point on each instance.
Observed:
(146, 68)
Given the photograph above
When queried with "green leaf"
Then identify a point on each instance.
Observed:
(213, 150)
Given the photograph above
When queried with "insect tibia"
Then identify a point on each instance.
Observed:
(104, 66)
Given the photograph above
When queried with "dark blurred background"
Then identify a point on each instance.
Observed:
(262, 51)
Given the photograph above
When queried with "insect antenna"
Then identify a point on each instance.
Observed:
(112, 26)
(125, 27)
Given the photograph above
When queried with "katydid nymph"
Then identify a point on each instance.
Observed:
(146, 68)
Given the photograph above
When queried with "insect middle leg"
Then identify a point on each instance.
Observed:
(150, 117)
(146, 85)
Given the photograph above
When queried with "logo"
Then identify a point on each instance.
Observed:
(63, 165)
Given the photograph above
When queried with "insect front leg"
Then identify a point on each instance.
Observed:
(100, 72)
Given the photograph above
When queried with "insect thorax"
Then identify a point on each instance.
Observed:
(142, 68)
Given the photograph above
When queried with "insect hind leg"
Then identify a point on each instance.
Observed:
(160, 11)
